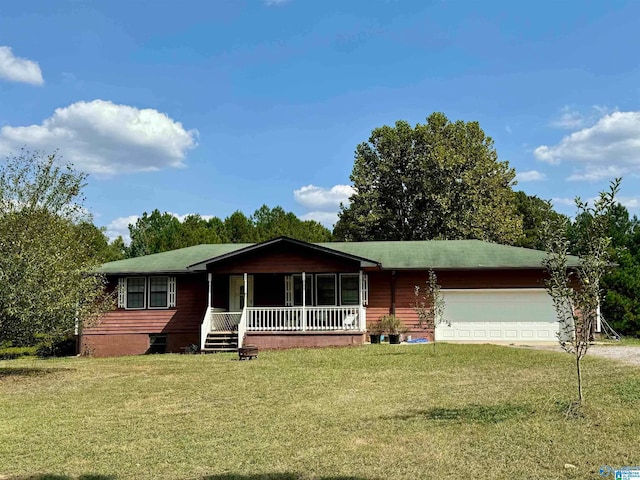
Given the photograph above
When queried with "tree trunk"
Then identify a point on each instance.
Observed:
(578, 358)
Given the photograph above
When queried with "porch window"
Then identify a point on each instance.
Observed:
(349, 291)
(297, 290)
(136, 292)
(326, 289)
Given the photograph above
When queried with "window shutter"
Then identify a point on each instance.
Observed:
(172, 292)
(122, 292)
(288, 291)
(365, 289)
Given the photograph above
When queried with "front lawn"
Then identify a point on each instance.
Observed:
(372, 412)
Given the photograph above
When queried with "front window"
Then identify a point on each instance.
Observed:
(297, 290)
(326, 289)
(349, 289)
(135, 292)
(158, 292)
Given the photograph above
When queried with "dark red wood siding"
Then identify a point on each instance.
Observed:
(191, 304)
(284, 258)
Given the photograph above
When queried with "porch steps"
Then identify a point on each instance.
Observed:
(216, 342)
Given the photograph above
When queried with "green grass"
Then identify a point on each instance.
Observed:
(372, 412)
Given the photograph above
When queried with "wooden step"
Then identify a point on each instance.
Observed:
(221, 341)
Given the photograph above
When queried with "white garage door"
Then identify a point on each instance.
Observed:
(505, 315)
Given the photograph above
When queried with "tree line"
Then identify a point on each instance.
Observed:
(438, 180)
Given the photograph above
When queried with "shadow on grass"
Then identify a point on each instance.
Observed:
(30, 372)
(486, 414)
(7, 372)
(226, 476)
(273, 476)
(48, 476)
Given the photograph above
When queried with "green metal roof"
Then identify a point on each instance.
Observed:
(174, 261)
(445, 254)
(436, 254)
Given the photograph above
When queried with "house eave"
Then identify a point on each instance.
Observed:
(202, 266)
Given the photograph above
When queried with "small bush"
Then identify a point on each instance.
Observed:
(54, 346)
(9, 353)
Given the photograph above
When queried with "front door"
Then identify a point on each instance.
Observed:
(237, 294)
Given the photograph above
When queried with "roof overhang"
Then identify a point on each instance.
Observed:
(312, 248)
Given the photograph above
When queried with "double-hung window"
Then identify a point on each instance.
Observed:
(158, 292)
(326, 289)
(297, 289)
(349, 289)
(137, 293)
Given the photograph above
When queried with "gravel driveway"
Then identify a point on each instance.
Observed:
(627, 354)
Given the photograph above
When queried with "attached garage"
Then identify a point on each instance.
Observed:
(498, 315)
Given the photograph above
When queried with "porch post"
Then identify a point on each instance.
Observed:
(361, 317)
(245, 300)
(304, 301)
(210, 279)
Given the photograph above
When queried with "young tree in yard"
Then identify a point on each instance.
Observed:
(46, 280)
(576, 291)
(440, 180)
(430, 306)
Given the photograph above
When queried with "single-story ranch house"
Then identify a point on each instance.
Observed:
(288, 293)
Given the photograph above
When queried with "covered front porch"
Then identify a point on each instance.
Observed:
(258, 294)
(239, 317)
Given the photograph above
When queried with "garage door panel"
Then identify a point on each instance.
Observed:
(506, 315)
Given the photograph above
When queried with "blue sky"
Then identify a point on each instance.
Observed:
(214, 106)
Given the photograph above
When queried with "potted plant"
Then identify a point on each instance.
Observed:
(375, 330)
(393, 326)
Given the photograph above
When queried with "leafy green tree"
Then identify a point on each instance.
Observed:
(576, 291)
(98, 244)
(46, 263)
(239, 228)
(621, 302)
(535, 212)
(194, 230)
(442, 179)
(154, 233)
(430, 306)
(275, 222)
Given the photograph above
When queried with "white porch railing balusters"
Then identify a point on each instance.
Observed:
(276, 319)
(301, 319)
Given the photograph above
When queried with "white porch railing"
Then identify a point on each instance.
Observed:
(303, 318)
(225, 321)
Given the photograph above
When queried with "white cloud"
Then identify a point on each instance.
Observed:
(104, 138)
(120, 227)
(632, 203)
(328, 219)
(567, 202)
(182, 217)
(16, 69)
(611, 147)
(508, 129)
(322, 199)
(569, 119)
(530, 176)
(275, 3)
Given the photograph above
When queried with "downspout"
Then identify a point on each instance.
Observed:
(393, 292)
